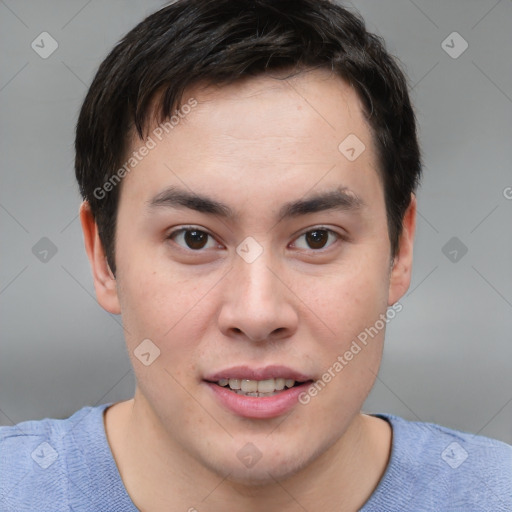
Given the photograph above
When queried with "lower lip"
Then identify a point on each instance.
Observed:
(258, 407)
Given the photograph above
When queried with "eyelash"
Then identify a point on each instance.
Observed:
(184, 229)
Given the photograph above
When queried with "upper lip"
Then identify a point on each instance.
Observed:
(248, 373)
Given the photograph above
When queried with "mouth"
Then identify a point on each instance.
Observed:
(258, 393)
(258, 388)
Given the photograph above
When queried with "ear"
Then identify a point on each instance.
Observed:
(104, 281)
(400, 276)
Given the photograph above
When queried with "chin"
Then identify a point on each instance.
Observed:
(252, 467)
(262, 475)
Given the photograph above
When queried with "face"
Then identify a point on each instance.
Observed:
(250, 289)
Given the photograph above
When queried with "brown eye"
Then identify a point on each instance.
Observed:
(194, 239)
(318, 238)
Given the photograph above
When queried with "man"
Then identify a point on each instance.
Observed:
(249, 170)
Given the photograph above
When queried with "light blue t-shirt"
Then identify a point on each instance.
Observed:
(66, 465)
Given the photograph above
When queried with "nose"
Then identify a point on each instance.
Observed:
(258, 303)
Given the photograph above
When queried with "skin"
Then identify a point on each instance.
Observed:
(253, 145)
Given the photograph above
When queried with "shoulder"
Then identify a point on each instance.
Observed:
(433, 467)
(36, 458)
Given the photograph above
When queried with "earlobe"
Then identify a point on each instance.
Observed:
(401, 270)
(104, 281)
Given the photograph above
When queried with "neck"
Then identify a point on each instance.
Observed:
(157, 472)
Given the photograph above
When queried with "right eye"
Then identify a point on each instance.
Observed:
(191, 238)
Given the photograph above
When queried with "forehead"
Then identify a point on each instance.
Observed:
(268, 105)
(279, 128)
(318, 98)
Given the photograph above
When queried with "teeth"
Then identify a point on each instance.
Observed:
(235, 383)
(266, 386)
(249, 386)
(256, 387)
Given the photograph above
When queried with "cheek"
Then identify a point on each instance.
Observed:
(352, 307)
(154, 293)
(164, 310)
(166, 305)
(352, 297)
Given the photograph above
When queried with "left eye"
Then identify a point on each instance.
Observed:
(318, 238)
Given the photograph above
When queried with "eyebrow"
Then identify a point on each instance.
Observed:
(340, 199)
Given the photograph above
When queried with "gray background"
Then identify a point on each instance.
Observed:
(448, 354)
